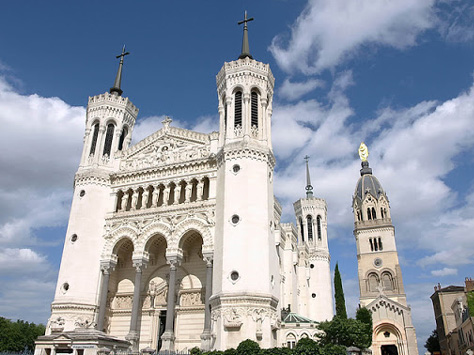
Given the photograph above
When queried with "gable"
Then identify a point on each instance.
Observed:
(166, 146)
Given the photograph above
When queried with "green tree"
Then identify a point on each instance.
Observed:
(248, 347)
(306, 346)
(364, 316)
(432, 343)
(16, 336)
(345, 332)
(339, 295)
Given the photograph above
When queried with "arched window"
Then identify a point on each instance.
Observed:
(373, 282)
(122, 138)
(374, 215)
(309, 221)
(380, 244)
(95, 134)
(302, 229)
(381, 213)
(108, 139)
(387, 281)
(318, 225)
(369, 215)
(238, 109)
(376, 247)
(254, 119)
(371, 244)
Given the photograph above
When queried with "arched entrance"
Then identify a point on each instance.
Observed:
(389, 350)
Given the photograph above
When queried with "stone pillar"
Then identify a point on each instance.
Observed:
(189, 189)
(206, 336)
(134, 334)
(135, 193)
(144, 198)
(86, 147)
(156, 195)
(246, 114)
(177, 194)
(106, 268)
(124, 201)
(262, 119)
(168, 336)
(199, 190)
(99, 145)
(114, 148)
(166, 195)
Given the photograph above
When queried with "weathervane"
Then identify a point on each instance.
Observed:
(118, 79)
(245, 40)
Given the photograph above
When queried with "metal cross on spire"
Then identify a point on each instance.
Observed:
(245, 40)
(309, 188)
(118, 79)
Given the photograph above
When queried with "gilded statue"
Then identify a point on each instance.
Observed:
(363, 152)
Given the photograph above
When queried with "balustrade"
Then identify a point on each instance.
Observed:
(164, 194)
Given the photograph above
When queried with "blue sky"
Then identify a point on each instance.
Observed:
(395, 74)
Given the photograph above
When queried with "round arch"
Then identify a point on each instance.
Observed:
(191, 224)
(115, 237)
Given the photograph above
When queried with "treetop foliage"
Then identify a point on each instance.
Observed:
(339, 294)
(20, 335)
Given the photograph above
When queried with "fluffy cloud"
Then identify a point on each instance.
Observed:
(327, 31)
(295, 90)
(444, 272)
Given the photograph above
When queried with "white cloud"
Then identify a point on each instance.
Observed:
(295, 90)
(444, 272)
(328, 31)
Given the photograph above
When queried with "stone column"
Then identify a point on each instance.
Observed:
(106, 268)
(168, 336)
(144, 198)
(189, 189)
(177, 194)
(156, 195)
(246, 114)
(262, 120)
(86, 147)
(134, 334)
(206, 336)
(114, 148)
(124, 201)
(199, 190)
(135, 193)
(99, 145)
(166, 195)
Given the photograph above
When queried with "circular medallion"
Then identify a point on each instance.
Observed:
(378, 262)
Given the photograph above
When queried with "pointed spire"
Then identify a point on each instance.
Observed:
(309, 188)
(116, 90)
(245, 39)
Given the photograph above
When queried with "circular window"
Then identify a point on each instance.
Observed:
(234, 275)
(386, 334)
(235, 219)
(73, 238)
(236, 168)
(378, 262)
(311, 266)
(65, 287)
(313, 295)
(82, 193)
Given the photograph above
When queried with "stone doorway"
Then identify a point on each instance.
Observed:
(389, 350)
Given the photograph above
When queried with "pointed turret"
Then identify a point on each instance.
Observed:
(309, 187)
(245, 40)
(116, 90)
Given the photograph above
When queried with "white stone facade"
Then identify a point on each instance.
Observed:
(176, 242)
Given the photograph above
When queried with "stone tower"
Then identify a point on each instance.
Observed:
(246, 280)
(380, 275)
(109, 123)
(314, 283)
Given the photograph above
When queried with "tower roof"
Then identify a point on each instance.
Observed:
(245, 39)
(367, 183)
(309, 187)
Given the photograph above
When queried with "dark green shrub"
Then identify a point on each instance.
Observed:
(195, 351)
(248, 347)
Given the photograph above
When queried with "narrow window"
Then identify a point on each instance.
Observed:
(309, 221)
(371, 244)
(369, 216)
(95, 134)
(318, 222)
(225, 113)
(376, 247)
(381, 212)
(302, 230)
(254, 120)
(374, 215)
(122, 138)
(380, 244)
(108, 139)
(238, 109)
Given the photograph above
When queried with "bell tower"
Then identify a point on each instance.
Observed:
(380, 275)
(314, 282)
(246, 278)
(109, 124)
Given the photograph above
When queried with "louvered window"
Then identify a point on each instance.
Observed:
(302, 230)
(225, 113)
(238, 109)
(108, 139)
(254, 109)
(122, 138)
(318, 223)
(95, 134)
(309, 220)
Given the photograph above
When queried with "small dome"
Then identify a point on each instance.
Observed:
(367, 184)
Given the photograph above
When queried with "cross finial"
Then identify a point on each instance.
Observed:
(245, 39)
(309, 188)
(118, 79)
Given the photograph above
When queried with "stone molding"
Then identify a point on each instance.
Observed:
(246, 151)
(92, 177)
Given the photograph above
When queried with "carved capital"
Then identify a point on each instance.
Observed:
(208, 258)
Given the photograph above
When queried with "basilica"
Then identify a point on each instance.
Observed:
(176, 242)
